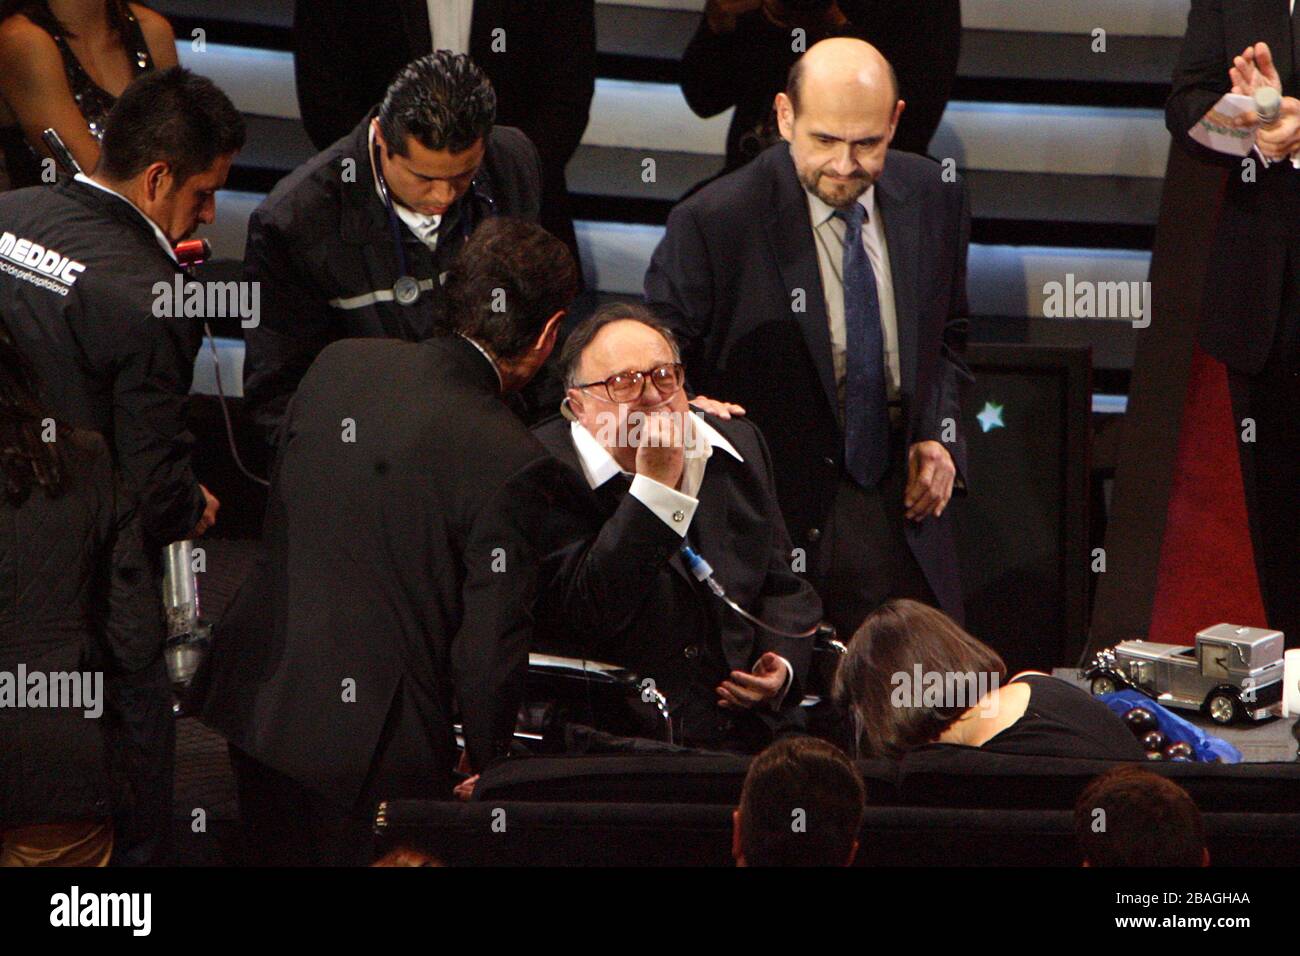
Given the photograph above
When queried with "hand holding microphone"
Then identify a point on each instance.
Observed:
(1276, 118)
(1278, 135)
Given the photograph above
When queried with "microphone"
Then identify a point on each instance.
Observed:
(1268, 104)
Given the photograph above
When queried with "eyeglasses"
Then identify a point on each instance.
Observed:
(628, 387)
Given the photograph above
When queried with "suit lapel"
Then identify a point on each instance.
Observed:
(789, 232)
(902, 233)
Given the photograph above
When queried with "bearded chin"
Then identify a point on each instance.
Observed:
(838, 200)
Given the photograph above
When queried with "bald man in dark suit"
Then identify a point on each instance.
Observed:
(823, 287)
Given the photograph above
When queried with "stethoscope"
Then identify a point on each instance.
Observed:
(406, 290)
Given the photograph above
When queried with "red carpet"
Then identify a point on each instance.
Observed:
(1207, 568)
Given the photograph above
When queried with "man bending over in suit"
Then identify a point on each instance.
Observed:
(662, 476)
(823, 287)
(402, 554)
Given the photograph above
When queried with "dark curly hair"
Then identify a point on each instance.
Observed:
(506, 282)
(26, 459)
(443, 100)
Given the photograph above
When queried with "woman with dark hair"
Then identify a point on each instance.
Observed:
(63, 64)
(76, 599)
(913, 676)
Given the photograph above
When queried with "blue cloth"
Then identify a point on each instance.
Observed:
(1206, 748)
(866, 403)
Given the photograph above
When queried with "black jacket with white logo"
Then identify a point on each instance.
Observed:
(78, 267)
(322, 248)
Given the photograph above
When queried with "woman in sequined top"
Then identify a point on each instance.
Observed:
(63, 63)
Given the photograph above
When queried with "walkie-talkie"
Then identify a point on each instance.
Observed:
(189, 253)
(62, 155)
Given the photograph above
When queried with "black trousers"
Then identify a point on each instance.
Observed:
(1270, 465)
(284, 823)
(864, 558)
(141, 732)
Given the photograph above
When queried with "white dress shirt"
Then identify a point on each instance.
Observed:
(829, 238)
(161, 236)
(449, 23)
(674, 508)
(425, 228)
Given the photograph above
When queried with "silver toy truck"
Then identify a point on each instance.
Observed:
(1229, 674)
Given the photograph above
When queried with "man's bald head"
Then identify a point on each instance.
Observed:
(848, 111)
(839, 64)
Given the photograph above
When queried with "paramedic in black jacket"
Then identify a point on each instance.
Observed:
(336, 258)
(79, 265)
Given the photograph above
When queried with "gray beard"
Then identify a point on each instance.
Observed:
(810, 183)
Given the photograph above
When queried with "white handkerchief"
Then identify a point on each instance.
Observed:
(1215, 130)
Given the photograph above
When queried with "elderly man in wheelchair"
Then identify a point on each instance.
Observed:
(674, 611)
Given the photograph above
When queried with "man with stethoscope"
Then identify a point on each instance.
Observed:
(355, 243)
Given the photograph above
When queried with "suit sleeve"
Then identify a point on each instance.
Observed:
(589, 601)
(679, 285)
(527, 174)
(295, 325)
(924, 46)
(715, 70)
(489, 652)
(788, 601)
(150, 428)
(133, 626)
(561, 110)
(953, 375)
(124, 601)
(325, 52)
(1200, 79)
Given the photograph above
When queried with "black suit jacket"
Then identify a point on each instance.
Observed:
(736, 262)
(400, 572)
(623, 593)
(1257, 219)
(542, 66)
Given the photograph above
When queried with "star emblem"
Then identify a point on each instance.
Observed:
(991, 417)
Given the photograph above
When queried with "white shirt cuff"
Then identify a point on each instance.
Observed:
(779, 699)
(671, 506)
(1266, 162)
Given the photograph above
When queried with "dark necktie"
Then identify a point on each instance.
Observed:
(866, 405)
